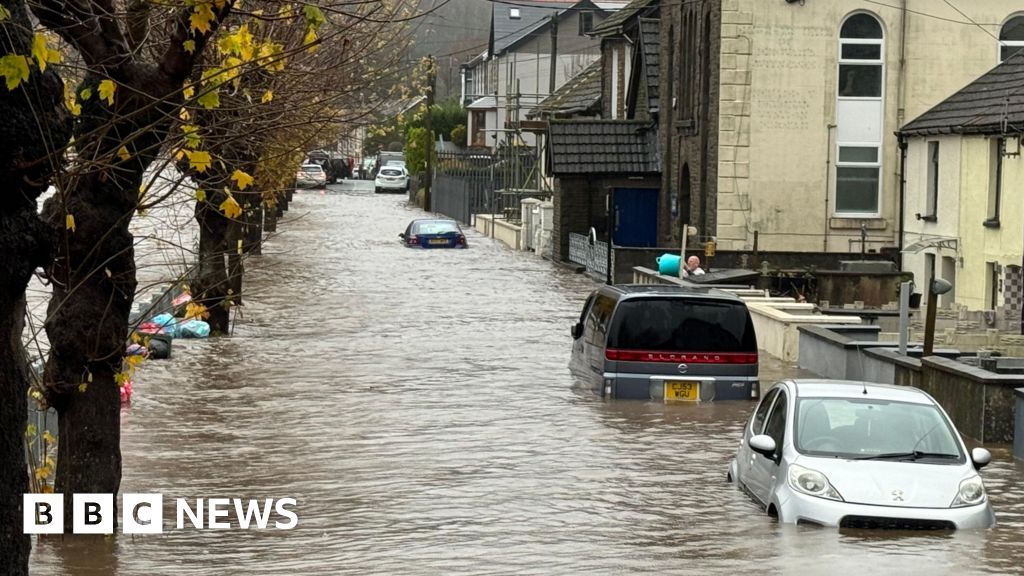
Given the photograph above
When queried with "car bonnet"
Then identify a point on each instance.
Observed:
(892, 483)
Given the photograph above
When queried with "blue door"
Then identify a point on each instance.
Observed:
(636, 217)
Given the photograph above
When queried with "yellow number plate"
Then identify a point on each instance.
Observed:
(676, 391)
(439, 241)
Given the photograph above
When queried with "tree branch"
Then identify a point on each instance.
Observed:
(177, 63)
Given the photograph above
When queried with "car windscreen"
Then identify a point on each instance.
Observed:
(682, 325)
(391, 172)
(312, 169)
(867, 428)
(435, 227)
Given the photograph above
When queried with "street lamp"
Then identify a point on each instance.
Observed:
(937, 287)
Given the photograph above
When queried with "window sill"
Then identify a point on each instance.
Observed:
(844, 222)
(991, 223)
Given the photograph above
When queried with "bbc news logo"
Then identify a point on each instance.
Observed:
(144, 514)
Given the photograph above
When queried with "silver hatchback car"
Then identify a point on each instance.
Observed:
(858, 455)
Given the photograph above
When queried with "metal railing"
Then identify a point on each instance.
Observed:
(590, 252)
(470, 183)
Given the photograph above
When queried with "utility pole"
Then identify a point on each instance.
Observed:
(429, 123)
(554, 53)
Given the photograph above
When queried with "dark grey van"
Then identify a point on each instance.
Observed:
(664, 342)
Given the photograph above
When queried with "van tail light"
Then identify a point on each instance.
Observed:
(460, 241)
(413, 240)
(681, 357)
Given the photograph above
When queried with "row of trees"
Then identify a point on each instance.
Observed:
(103, 98)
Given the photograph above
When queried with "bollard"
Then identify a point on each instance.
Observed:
(1018, 427)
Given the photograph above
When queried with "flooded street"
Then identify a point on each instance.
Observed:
(418, 405)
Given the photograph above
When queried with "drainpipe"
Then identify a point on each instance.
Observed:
(828, 180)
(902, 140)
(901, 86)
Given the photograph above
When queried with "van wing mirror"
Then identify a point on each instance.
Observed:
(577, 330)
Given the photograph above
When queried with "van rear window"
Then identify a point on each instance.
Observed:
(682, 325)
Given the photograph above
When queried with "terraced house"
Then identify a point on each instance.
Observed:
(963, 218)
(535, 46)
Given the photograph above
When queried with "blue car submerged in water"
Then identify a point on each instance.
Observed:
(433, 233)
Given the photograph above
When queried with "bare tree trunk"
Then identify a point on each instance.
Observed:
(270, 215)
(35, 127)
(252, 241)
(87, 326)
(211, 288)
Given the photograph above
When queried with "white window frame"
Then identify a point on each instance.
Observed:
(840, 61)
(933, 180)
(1008, 43)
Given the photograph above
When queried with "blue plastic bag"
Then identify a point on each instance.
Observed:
(168, 322)
(193, 329)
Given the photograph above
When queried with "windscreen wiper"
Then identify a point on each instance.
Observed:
(915, 455)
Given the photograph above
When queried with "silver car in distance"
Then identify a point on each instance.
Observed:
(859, 455)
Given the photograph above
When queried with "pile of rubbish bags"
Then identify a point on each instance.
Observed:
(152, 338)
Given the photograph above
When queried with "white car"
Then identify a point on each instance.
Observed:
(310, 176)
(391, 179)
(860, 455)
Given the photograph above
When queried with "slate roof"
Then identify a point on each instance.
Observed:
(506, 31)
(605, 147)
(582, 93)
(484, 103)
(649, 38)
(992, 104)
(613, 24)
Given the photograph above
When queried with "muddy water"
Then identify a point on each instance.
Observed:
(418, 406)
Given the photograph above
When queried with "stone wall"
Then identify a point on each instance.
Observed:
(689, 118)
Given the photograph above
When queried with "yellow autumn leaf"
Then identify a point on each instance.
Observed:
(14, 69)
(200, 195)
(39, 50)
(196, 310)
(210, 99)
(267, 96)
(69, 222)
(106, 90)
(243, 179)
(310, 40)
(202, 17)
(230, 207)
(184, 115)
(5, 14)
(82, 387)
(198, 159)
(85, 94)
(188, 92)
(189, 46)
(123, 154)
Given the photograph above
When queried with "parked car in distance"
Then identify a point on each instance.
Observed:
(860, 455)
(310, 176)
(391, 179)
(666, 343)
(433, 233)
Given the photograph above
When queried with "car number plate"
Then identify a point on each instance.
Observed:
(439, 241)
(680, 391)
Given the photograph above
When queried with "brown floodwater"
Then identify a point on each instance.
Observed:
(418, 406)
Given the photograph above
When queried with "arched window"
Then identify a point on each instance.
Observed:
(1011, 37)
(860, 58)
(859, 116)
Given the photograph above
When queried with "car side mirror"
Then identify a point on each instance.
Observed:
(981, 458)
(577, 330)
(764, 445)
(401, 235)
